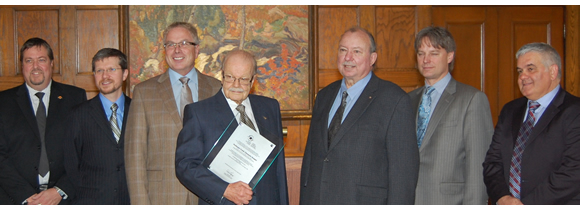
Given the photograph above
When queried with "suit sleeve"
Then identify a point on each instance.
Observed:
(188, 157)
(281, 164)
(10, 180)
(562, 184)
(493, 169)
(136, 151)
(72, 150)
(403, 154)
(477, 134)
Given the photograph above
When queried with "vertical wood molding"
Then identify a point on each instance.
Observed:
(367, 18)
(423, 17)
(68, 44)
(572, 50)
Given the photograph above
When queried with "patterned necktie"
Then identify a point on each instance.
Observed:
(185, 95)
(113, 122)
(244, 118)
(524, 133)
(41, 121)
(424, 115)
(336, 121)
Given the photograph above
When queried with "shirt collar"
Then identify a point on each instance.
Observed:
(545, 100)
(174, 76)
(357, 88)
(441, 84)
(46, 90)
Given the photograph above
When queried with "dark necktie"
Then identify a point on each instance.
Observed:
(424, 115)
(113, 122)
(524, 133)
(41, 121)
(186, 97)
(244, 118)
(336, 121)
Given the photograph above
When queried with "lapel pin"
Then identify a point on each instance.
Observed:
(265, 118)
(370, 97)
(59, 97)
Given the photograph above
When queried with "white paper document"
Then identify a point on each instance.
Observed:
(241, 156)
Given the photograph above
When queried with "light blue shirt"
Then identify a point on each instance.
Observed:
(544, 103)
(353, 94)
(120, 108)
(439, 89)
(176, 85)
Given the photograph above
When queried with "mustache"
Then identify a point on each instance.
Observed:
(348, 63)
(233, 89)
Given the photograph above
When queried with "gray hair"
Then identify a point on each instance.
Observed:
(439, 38)
(549, 55)
(371, 38)
(185, 25)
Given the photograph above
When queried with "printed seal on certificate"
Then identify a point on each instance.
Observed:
(243, 156)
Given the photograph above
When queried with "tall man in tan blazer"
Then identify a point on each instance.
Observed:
(155, 119)
(454, 126)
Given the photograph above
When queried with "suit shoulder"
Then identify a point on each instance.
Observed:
(461, 87)
(329, 88)
(9, 92)
(391, 88)
(213, 81)
(151, 82)
(69, 88)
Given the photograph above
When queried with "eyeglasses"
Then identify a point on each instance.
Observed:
(102, 71)
(171, 45)
(243, 81)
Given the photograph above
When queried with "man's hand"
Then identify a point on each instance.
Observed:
(240, 193)
(509, 200)
(47, 197)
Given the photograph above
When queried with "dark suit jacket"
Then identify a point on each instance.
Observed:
(203, 123)
(20, 150)
(374, 158)
(93, 159)
(551, 159)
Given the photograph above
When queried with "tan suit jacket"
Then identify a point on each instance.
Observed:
(152, 128)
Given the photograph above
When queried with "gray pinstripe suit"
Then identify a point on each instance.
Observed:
(454, 147)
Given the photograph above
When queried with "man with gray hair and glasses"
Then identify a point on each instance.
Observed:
(534, 157)
(155, 119)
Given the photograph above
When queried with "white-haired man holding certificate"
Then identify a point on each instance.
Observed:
(216, 118)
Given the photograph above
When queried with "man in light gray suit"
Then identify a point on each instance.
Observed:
(361, 144)
(454, 126)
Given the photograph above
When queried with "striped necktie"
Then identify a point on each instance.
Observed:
(113, 122)
(524, 133)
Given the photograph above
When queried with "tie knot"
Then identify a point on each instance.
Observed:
(344, 95)
(114, 107)
(534, 105)
(39, 95)
(241, 108)
(184, 80)
(429, 90)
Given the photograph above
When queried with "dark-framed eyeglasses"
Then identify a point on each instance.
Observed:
(171, 45)
(102, 71)
(243, 80)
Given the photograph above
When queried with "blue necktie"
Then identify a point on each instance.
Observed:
(424, 112)
(523, 135)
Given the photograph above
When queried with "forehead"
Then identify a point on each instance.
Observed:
(426, 45)
(36, 51)
(238, 64)
(108, 61)
(529, 58)
(178, 34)
(355, 39)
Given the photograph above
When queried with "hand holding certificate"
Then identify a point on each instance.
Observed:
(245, 156)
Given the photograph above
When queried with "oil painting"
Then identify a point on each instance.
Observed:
(276, 35)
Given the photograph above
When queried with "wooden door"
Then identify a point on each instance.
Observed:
(75, 34)
(487, 39)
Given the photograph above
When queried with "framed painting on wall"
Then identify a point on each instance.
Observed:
(278, 36)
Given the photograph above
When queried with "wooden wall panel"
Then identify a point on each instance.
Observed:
(469, 55)
(43, 24)
(92, 36)
(395, 38)
(572, 56)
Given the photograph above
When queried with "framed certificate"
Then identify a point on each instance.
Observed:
(245, 155)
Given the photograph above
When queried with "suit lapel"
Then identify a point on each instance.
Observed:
(441, 108)
(100, 117)
(204, 89)
(54, 110)
(165, 91)
(23, 100)
(125, 116)
(327, 105)
(547, 116)
(518, 119)
(360, 106)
